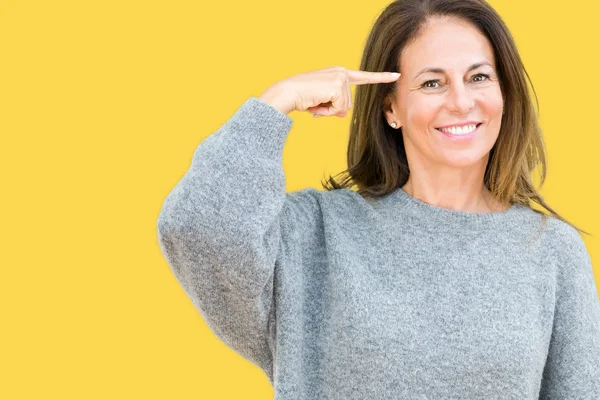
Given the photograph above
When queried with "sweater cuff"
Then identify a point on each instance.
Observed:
(262, 127)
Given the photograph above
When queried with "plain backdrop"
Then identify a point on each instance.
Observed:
(102, 104)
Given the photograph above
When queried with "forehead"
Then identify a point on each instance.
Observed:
(448, 43)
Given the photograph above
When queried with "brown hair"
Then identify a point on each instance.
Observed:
(376, 155)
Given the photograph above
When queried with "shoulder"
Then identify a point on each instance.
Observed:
(307, 197)
(301, 205)
(566, 250)
(310, 205)
(310, 199)
(302, 211)
(563, 238)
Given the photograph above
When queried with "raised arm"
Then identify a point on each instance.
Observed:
(219, 228)
(222, 227)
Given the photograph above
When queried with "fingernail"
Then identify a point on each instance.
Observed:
(395, 74)
(316, 116)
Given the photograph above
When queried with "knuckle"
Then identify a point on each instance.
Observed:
(341, 73)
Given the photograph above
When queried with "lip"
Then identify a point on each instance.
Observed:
(460, 124)
(461, 137)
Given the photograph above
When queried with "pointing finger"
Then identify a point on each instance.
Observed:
(357, 77)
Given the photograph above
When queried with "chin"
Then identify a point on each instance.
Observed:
(466, 160)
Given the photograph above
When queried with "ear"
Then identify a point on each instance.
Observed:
(390, 111)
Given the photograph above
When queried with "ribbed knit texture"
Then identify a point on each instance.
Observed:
(337, 297)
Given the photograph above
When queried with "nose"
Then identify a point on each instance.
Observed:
(460, 99)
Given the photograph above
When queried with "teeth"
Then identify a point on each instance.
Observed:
(456, 130)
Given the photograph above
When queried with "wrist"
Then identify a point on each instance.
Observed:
(275, 97)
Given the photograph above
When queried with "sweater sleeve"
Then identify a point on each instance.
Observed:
(572, 369)
(220, 228)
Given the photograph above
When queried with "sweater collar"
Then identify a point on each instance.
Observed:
(399, 199)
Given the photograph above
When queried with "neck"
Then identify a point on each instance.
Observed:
(483, 201)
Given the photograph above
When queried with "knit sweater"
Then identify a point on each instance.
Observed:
(335, 296)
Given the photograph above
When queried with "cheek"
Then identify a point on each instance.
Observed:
(422, 111)
(491, 101)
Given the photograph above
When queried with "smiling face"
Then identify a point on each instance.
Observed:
(463, 88)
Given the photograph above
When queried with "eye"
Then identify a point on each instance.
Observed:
(486, 76)
(428, 82)
(435, 81)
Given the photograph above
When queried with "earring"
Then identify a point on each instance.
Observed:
(393, 125)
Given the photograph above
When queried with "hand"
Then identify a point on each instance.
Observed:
(322, 92)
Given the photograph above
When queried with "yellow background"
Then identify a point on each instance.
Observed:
(103, 104)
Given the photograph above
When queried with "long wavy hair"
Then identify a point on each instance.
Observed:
(376, 157)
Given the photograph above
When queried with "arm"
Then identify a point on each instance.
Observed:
(219, 228)
(572, 369)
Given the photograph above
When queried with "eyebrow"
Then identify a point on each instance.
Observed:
(441, 71)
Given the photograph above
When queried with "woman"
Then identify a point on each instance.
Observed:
(436, 279)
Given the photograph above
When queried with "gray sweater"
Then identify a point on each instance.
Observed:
(338, 297)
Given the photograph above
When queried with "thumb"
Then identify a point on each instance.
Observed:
(338, 114)
(328, 111)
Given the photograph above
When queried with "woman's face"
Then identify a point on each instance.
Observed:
(464, 90)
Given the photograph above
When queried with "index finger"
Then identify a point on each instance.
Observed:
(358, 77)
